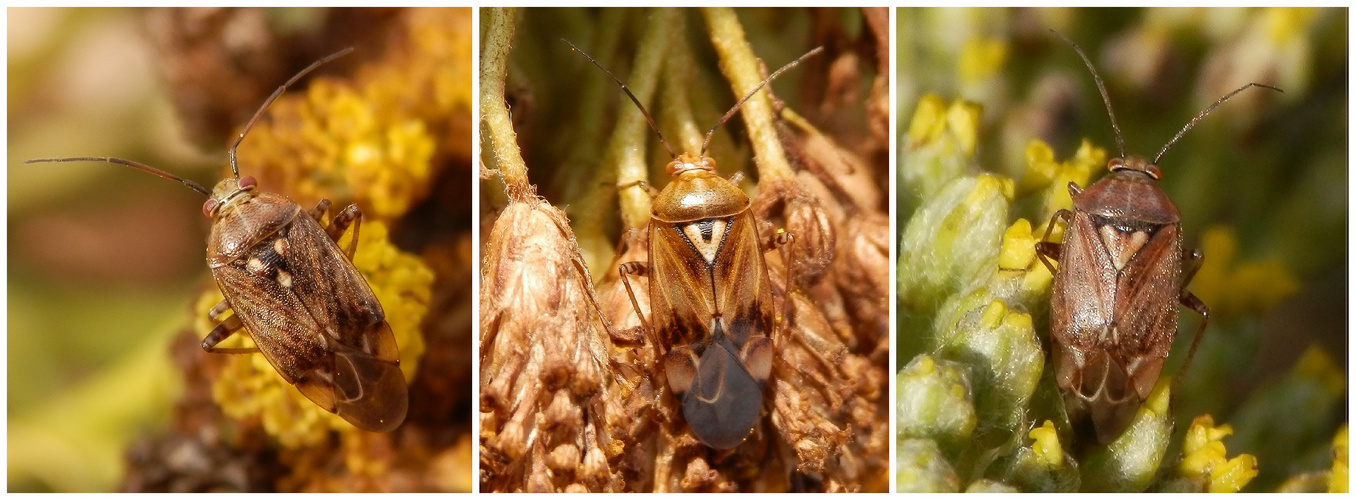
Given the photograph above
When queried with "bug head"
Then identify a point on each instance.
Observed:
(687, 162)
(1136, 164)
(228, 193)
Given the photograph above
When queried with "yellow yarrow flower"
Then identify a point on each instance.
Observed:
(1339, 479)
(1046, 445)
(1243, 288)
(949, 128)
(1204, 455)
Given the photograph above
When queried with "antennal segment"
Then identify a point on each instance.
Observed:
(128, 163)
(750, 94)
(643, 112)
(1207, 111)
(1120, 143)
(235, 171)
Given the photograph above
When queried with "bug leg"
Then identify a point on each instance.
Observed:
(1196, 259)
(1191, 301)
(318, 212)
(216, 311)
(221, 333)
(350, 215)
(1046, 249)
(782, 240)
(630, 337)
(737, 178)
(637, 268)
(640, 184)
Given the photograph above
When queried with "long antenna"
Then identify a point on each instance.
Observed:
(129, 163)
(749, 95)
(1207, 111)
(628, 94)
(1120, 143)
(235, 171)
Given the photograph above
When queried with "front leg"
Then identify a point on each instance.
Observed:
(216, 311)
(1191, 301)
(782, 240)
(221, 333)
(350, 215)
(638, 268)
(1046, 249)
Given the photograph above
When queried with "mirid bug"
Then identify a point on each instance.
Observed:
(286, 279)
(1113, 305)
(710, 297)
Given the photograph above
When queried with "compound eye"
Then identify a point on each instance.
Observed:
(1153, 171)
(1115, 164)
(208, 207)
(247, 182)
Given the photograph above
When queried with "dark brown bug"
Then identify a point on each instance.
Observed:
(710, 297)
(309, 311)
(1113, 305)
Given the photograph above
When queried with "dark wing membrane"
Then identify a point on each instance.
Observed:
(369, 393)
(724, 401)
(680, 287)
(335, 293)
(743, 292)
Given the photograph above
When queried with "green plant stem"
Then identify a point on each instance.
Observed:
(676, 105)
(493, 110)
(742, 69)
(626, 148)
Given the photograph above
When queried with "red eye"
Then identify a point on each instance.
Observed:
(208, 207)
(247, 182)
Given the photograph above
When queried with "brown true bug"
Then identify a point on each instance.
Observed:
(1113, 305)
(710, 297)
(309, 311)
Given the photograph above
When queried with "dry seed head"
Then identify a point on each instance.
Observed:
(540, 377)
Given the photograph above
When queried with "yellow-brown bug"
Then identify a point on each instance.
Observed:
(710, 297)
(1113, 305)
(286, 279)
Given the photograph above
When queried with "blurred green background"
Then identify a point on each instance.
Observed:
(1270, 169)
(103, 261)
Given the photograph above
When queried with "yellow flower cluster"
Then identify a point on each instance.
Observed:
(1044, 173)
(1339, 479)
(1046, 445)
(1205, 457)
(1234, 289)
(952, 128)
(374, 139)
